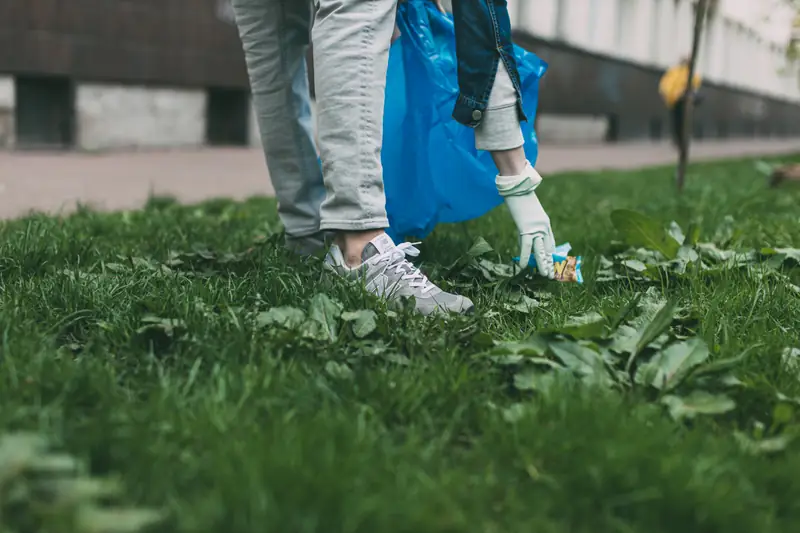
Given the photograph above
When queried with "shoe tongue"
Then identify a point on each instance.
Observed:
(377, 246)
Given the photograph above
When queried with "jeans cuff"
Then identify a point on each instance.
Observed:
(354, 225)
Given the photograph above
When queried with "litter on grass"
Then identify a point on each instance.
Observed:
(567, 267)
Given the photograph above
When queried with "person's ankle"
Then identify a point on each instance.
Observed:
(510, 162)
(352, 244)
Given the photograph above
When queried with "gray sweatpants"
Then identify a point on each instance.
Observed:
(351, 52)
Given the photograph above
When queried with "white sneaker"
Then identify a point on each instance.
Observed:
(387, 273)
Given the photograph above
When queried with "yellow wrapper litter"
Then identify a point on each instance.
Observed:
(567, 267)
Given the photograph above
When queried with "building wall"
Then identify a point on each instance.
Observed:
(158, 42)
(142, 69)
(590, 85)
(125, 116)
(743, 48)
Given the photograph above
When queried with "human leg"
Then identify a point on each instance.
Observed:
(275, 38)
(351, 54)
(489, 101)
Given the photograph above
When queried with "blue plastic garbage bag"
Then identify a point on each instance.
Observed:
(432, 172)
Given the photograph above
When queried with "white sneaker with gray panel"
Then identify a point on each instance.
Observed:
(387, 273)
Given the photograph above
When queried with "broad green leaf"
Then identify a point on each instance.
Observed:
(635, 265)
(720, 366)
(782, 255)
(55, 464)
(622, 315)
(115, 267)
(364, 321)
(605, 270)
(731, 381)
(483, 340)
(657, 325)
(522, 303)
(711, 251)
(687, 254)
(513, 360)
(652, 330)
(791, 361)
(515, 412)
(645, 255)
(582, 360)
(541, 382)
(624, 340)
(325, 312)
(725, 231)
(589, 326)
(650, 303)
(93, 519)
(782, 414)
(692, 234)
(533, 347)
(794, 400)
(764, 168)
(73, 490)
(640, 230)
(764, 446)
(492, 270)
(671, 365)
(479, 247)
(676, 232)
(697, 403)
(646, 374)
(338, 370)
(167, 323)
(17, 451)
(286, 317)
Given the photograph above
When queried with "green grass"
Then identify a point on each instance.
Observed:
(232, 427)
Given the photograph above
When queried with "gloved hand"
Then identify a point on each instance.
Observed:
(531, 220)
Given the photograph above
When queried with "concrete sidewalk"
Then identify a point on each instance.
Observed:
(57, 183)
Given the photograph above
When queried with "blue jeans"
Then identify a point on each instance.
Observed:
(483, 39)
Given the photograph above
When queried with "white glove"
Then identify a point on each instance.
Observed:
(531, 220)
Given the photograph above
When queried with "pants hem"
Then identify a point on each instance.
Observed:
(354, 225)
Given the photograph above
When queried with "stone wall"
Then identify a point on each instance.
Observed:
(116, 116)
(122, 117)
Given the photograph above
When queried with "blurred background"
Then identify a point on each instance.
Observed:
(111, 74)
(108, 102)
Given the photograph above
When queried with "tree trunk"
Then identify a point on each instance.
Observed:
(688, 108)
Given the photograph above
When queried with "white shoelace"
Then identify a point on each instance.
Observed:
(396, 257)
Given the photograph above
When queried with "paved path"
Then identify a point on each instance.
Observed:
(58, 182)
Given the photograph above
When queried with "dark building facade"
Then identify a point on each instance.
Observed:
(50, 48)
(163, 42)
(185, 51)
(585, 83)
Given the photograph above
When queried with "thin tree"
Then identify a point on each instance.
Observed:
(701, 10)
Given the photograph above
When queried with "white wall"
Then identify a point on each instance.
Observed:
(7, 102)
(114, 116)
(742, 47)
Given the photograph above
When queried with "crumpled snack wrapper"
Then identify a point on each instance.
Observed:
(567, 267)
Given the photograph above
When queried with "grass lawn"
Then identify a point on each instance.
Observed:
(158, 346)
